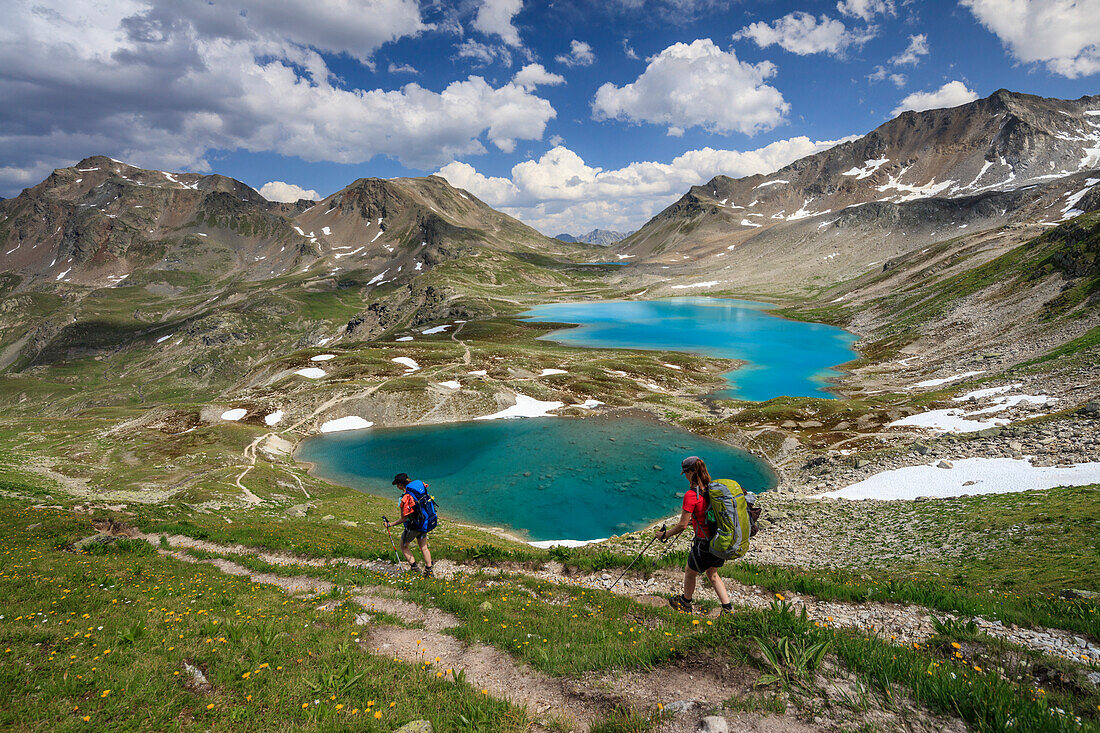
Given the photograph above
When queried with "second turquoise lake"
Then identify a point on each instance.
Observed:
(784, 357)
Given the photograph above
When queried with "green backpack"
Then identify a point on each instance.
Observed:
(729, 517)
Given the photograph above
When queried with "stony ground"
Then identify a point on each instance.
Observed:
(695, 691)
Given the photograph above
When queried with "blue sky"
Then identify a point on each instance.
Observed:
(569, 114)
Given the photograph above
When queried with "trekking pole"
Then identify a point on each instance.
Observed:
(636, 559)
(396, 557)
(667, 550)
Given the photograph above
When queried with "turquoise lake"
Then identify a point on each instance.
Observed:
(783, 357)
(543, 478)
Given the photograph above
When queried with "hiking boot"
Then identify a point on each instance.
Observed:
(414, 568)
(428, 571)
(680, 603)
(726, 611)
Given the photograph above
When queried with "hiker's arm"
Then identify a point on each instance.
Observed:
(685, 520)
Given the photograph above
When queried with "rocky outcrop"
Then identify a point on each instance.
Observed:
(958, 167)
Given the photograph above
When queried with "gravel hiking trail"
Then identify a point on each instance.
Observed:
(691, 687)
(901, 624)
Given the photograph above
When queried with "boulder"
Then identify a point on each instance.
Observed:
(416, 726)
(680, 706)
(714, 724)
(298, 510)
(87, 542)
(1074, 594)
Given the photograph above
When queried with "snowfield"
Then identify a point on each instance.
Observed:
(944, 380)
(946, 421)
(311, 372)
(956, 420)
(968, 476)
(234, 414)
(547, 544)
(708, 284)
(525, 407)
(352, 422)
(322, 357)
(405, 361)
(274, 418)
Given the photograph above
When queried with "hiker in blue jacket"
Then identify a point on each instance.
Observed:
(418, 515)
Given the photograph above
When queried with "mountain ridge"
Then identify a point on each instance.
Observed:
(602, 237)
(98, 221)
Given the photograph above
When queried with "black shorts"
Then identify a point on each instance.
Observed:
(700, 558)
(408, 535)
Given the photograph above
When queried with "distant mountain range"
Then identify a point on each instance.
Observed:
(961, 185)
(102, 220)
(602, 237)
(920, 178)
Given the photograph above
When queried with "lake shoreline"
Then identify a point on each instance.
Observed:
(631, 465)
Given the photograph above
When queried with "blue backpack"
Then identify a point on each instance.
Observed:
(424, 518)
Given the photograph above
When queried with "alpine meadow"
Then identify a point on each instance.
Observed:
(638, 366)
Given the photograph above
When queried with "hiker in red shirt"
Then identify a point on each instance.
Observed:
(700, 559)
(416, 525)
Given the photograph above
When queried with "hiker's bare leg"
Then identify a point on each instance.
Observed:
(407, 553)
(423, 542)
(719, 587)
(689, 582)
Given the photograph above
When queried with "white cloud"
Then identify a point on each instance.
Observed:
(494, 191)
(580, 54)
(951, 94)
(697, 84)
(494, 17)
(803, 34)
(880, 73)
(402, 69)
(629, 51)
(1063, 34)
(561, 192)
(135, 81)
(483, 54)
(918, 46)
(865, 9)
(287, 192)
(533, 75)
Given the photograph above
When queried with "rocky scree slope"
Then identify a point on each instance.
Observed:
(921, 178)
(104, 256)
(102, 220)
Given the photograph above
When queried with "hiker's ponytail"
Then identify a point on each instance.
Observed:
(700, 476)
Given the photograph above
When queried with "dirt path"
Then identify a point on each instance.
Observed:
(898, 623)
(572, 704)
(454, 337)
(250, 456)
(692, 687)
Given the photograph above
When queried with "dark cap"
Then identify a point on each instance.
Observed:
(688, 462)
(401, 479)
